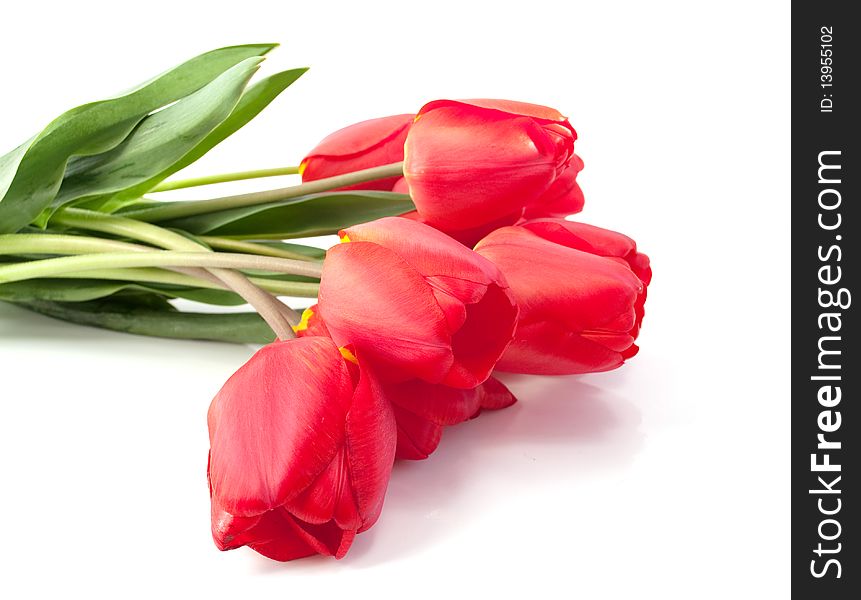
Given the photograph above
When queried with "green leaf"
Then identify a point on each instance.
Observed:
(82, 290)
(30, 175)
(306, 216)
(160, 141)
(309, 251)
(253, 101)
(121, 314)
(185, 123)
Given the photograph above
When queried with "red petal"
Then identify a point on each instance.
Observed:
(439, 404)
(363, 136)
(495, 395)
(595, 240)
(364, 283)
(331, 494)
(277, 539)
(327, 538)
(229, 531)
(277, 423)
(371, 440)
(578, 310)
(547, 348)
(556, 283)
(582, 236)
(543, 114)
(269, 534)
(564, 197)
(429, 251)
(486, 333)
(417, 437)
(350, 491)
(454, 309)
(483, 328)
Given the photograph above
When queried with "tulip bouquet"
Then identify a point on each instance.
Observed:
(456, 261)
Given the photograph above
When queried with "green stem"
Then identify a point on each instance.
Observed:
(52, 267)
(252, 248)
(175, 210)
(242, 328)
(180, 184)
(280, 317)
(36, 243)
(298, 289)
(143, 275)
(123, 227)
(48, 243)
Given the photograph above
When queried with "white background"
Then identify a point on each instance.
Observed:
(667, 478)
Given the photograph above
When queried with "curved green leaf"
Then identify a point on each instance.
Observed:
(309, 251)
(118, 314)
(306, 216)
(160, 141)
(30, 175)
(82, 290)
(178, 149)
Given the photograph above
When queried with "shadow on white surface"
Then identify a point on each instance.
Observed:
(561, 432)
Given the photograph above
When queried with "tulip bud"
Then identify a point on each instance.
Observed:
(416, 304)
(360, 146)
(302, 444)
(580, 312)
(477, 161)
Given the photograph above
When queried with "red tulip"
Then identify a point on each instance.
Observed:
(579, 312)
(361, 146)
(416, 304)
(422, 410)
(472, 162)
(302, 444)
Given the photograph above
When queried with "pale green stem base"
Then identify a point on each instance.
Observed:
(175, 210)
(180, 184)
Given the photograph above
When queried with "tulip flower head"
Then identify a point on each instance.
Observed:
(472, 162)
(580, 312)
(360, 146)
(416, 303)
(302, 444)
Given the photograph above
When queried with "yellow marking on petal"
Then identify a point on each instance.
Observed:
(303, 322)
(302, 166)
(345, 239)
(417, 117)
(348, 355)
